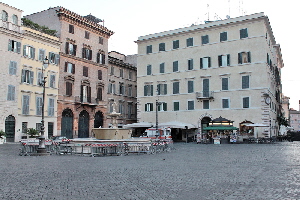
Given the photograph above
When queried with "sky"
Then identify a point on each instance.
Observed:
(129, 19)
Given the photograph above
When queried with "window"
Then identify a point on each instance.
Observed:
(121, 73)
(71, 28)
(176, 105)
(162, 47)
(85, 93)
(11, 92)
(244, 57)
(148, 107)
(175, 66)
(85, 71)
(100, 58)
(129, 90)
(24, 127)
(40, 78)
(244, 33)
(29, 51)
(162, 106)
(39, 105)
(191, 105)
(130, 75)
(99, 75)
(190, 64)
(225, 103)
(246, 102)
(149, 69)
(205, 39)
(111, 88)
(224, 83)
(149, 49)
(190, 42)
(245, 82)
(129, 111)
(100, 40)
(69, 87)
(71, 49)
(205, 87)
(223, 36)
(69, 67)
(205, 104)
(4, 16)
(50, 129)
(27, 76)
(42, 55)
(99, 94)
(53, 58)
(224, 60)
(14, 46)
(52, 81)
(87, 53)
(25, 105)
(112, 70)
(12, 67)
(162, 68)
(148, 90)
(175, 44)
(175, 87)
(87, 35)
(205, 63)
(121, 108)
(121, 89)
(190, 86)
(162, 89)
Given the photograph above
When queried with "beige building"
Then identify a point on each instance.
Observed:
(122, 87)
(82, 98)
(229, 68)
(10, 68)
(36, 46)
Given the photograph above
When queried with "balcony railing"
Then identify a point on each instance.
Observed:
(83, 100)
(205, 95)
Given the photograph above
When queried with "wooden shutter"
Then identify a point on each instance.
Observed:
(249, 56)
(9, 45)
(67, 48)
(81, 93)
(245, 82)
(99, 94)
(89, 94)
(228, 59)
(209, 62)
(99, 75)
(240, 58)
(73, 68)
(74, 49)
(151, 87)
(24, 50)
(91, 55)
(83, 53)
(205, 87)
(103, 59)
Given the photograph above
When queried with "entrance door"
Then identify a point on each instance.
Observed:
(83, 125)
(98, 121)
(10, 124)
(67, 124)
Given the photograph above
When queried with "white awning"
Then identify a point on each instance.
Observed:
(139, 125)
(177, 124)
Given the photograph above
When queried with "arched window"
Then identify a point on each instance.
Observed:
(4, 16)
(15, 19)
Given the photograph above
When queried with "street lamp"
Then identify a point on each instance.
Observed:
(157, 105)
(42, 149)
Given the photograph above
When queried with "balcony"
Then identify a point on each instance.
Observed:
(86, 101)
(205, 95)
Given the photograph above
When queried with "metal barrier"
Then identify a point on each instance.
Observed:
(29, 147)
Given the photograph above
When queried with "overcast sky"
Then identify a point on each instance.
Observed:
(130, 19)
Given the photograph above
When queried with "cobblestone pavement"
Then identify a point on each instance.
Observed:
(191, 171)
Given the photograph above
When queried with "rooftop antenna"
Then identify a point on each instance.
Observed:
(207, 12)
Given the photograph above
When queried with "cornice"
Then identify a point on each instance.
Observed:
(120, 63)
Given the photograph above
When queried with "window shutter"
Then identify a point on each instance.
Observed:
(165, 88)
(73, 68)
(228, 59)
(209, 62)
(99, 94)
(81, 93)
(103, 59)
(249, 56)
(31, 77)
(67, 48)
(74, 49)
(9, 45)
(240, 58)
(56, 59)
(201, 63)
(99, 75)
(151, 87)
(24, 50)
(89, 94)
(165, 106)
(220, 60)
(91, 55)
(18, 47)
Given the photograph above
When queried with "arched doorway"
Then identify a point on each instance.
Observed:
(98, 121)
(83, 124)
(67, 123)
(205, 123)
(10, 124)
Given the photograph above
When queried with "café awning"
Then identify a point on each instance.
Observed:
(177, 124)
(220, 128)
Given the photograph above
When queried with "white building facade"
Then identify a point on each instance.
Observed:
(229, 68)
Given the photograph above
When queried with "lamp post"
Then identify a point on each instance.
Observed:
(157, 105)
(42, 149)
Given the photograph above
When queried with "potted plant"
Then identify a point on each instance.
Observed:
(32, 132)
(2, 136)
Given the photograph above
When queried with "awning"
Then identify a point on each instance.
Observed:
(220, 128)
(177, 124)
(139, 125)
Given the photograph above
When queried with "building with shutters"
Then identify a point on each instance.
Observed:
(10, 48)
(82, 100)
(229, 68)
(122, 87)
(35, 47)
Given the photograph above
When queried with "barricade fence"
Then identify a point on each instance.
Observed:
(91, 148)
